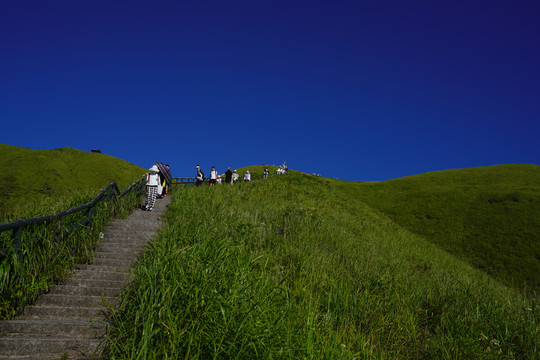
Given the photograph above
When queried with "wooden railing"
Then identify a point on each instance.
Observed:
(124, 200)
(186, 181)
(37, 252)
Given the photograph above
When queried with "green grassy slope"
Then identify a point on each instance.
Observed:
(488, 216)
(294, 268)
(28, 176)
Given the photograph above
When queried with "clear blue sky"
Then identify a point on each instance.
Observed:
(358, 90)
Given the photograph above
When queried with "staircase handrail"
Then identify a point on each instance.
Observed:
(105, 193)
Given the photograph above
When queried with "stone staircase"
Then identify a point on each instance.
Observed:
(68, 322)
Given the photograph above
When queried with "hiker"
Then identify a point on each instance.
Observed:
(152, 182)
(219, 179)
(266, 172)
(160, 184)
(159, 190)
(235, 177)
(247, 176)
(200, 176)
(165, 184)
(213, 177)
(228, 176)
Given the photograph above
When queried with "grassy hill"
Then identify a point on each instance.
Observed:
(29, 176)
(488, 216)
(301, 267)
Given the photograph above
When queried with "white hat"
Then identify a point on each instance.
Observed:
(154, 168)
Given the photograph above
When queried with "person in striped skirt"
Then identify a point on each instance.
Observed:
(152, 181)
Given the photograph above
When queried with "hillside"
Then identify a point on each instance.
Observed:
(28, 176)
(488, 216)
(295, 267)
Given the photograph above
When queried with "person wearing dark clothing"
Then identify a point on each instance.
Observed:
(228, 176)
(200, 176)
(165, 184)
(266, 172)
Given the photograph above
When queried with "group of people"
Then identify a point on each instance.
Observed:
(231, 177)
(282, 170)
(156, 187)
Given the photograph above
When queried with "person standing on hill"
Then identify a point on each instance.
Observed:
(266, 172)
(200, 176)
(152, 182)
(247, 176)
(213, 176)
(228, 176)
(235, 177)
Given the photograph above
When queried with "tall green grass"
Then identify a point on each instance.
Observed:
(488, 216)
(292, 268)
(30, 177)
(43, 258)
(49, 251)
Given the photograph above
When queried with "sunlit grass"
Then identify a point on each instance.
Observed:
(489, 217)
(49, 251)
(36, 178)
(292, 268)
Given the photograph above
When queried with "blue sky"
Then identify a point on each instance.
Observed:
(358, 90)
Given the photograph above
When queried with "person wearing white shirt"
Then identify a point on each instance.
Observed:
(152, 182)
(213, 176)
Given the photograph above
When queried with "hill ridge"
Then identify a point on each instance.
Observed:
(30, 176)
(488, 216)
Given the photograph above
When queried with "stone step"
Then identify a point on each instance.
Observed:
(84, 291)
(124, 263)
(124, 239)
(122, 249)
(135, 229)
(128, 239)
(135, 225)
(116, 255)
(133, 232)
(94, 283)
(46, 312)
(120, 246)
(61, 300)
(103, 268)
(53, 328)
(48, 347)
(124, 225)
(102, 275)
